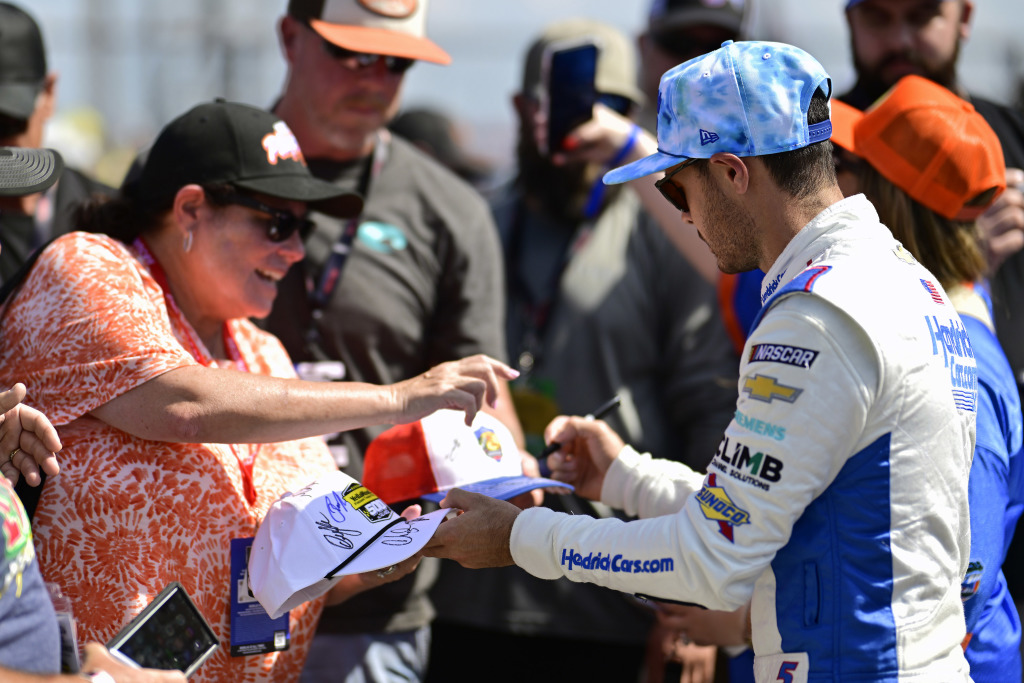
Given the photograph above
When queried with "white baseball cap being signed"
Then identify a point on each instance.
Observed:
(333, 527)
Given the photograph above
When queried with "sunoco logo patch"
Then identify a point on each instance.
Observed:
(718, 507)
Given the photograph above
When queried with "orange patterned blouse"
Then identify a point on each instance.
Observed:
(126, 516)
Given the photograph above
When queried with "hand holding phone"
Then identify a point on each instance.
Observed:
(170, 633)
(568, 93)
(98, 658)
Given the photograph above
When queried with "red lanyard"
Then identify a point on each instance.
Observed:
(197, 351)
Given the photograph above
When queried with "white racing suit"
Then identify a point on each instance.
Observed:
(837, 500)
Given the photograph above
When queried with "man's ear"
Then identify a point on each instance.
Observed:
(731, 170)
(287, 34)
(46, 100)
(966, 12)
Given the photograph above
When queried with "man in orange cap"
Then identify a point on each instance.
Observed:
(417, 278)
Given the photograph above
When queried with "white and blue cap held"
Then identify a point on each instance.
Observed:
(746, 98)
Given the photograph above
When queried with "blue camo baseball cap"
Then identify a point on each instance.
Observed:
(748, 98)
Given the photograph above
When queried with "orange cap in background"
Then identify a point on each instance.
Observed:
(397, 28)
(927, 141)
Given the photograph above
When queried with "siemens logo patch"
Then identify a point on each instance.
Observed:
(780, 353)
(958, 356)
(616, 564)
(759, 469)
(752, 424)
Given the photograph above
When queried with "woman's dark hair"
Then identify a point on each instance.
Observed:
(950, 249)
(124, 218)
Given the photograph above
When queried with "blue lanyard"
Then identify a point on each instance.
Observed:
(331, 275)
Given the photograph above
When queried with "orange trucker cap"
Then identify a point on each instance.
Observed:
(927, 141)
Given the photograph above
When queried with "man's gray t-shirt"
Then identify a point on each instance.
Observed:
(423, 284)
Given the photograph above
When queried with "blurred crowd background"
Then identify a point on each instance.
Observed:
(128, 66)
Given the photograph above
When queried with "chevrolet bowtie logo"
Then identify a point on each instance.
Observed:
(767, 389)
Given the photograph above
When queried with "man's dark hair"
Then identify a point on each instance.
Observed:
(801, 172)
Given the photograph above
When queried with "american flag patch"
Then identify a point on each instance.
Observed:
(934, 293)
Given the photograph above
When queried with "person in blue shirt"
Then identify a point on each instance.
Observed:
(921, 125)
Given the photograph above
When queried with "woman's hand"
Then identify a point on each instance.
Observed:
(28, 441)
(464, 385)
(97, 658)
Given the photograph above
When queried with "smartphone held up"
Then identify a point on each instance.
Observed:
(568, 91)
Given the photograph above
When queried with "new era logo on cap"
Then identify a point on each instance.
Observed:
(707, 137)
(426, 459)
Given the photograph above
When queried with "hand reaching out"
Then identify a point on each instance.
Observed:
(479, 536)
(28, 441)
(464, 385)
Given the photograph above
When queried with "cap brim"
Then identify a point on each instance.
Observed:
(502, 488)
(26, 171)
(18, 100)
(318, 194)
(378, 41)
(844, 120)
(658, 161)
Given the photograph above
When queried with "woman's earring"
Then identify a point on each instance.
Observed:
(187, 243)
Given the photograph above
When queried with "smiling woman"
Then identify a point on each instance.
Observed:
(182, 421)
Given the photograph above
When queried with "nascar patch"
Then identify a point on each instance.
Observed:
(780, 353)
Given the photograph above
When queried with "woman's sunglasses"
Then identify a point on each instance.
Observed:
(282, 225)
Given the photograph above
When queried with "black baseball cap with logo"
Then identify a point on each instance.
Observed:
(22, 62)
(244, 146)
